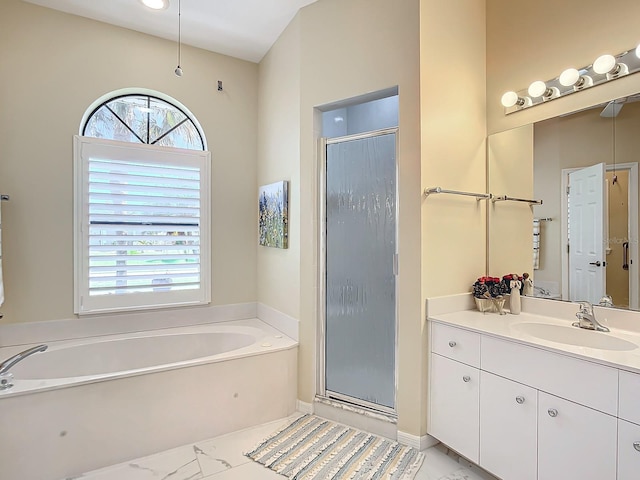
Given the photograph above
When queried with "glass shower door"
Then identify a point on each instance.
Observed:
(360, 264)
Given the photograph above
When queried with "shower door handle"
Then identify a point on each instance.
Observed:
(625, 256)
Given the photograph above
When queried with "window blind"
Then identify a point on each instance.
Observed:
(144, 233)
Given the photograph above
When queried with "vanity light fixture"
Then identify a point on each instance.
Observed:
(156, 4)
(604, 69)
(607, 65)
(511, 99)
(571, 77)
(540, 89)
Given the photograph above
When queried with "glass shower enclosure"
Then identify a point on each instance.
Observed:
(360, 268)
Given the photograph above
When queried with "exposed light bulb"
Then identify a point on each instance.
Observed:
(178, 71)
(569, 77)
(604, 64)
(156, 4)
(509, 99)
(537, 88)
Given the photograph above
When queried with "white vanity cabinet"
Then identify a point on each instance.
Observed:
(508, 425)
(541, 414)
(454, 398)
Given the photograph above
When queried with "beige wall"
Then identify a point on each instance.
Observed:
(279, 159)
(510, 170)
(453, 132)
(617, 277)
(350, 48)
(452, 67)
(529, 41)
(54, 65)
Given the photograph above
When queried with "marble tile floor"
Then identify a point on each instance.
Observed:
(222, 458)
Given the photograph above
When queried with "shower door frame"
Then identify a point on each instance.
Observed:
(321, 388)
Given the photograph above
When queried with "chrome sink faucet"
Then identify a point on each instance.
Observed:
(587, 318)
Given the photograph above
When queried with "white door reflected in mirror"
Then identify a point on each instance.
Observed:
(587, 265)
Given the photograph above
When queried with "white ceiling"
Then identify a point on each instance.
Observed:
(240, 28)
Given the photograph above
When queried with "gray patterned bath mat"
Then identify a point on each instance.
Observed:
(314, 448)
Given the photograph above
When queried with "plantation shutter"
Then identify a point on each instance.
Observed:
(144, 226)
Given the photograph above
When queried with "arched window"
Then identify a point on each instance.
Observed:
(142, 209)
(143, 118)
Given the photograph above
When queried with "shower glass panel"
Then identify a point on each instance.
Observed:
(360, 289)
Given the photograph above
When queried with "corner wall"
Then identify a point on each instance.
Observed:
(279, 159)
(453, 122)
(346, 48)
(54, 65)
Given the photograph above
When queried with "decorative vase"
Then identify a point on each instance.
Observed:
(493, 304)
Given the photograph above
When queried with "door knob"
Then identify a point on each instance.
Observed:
(597, 264)
(636, 445)
(552, 412)
(466, 378)
(452, 344)
(520, 399)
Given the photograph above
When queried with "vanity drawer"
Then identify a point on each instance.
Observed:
(630, 396)
(456, 343)
(567, 377)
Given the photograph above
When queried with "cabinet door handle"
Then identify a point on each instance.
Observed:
(552, 412)
(466, 378)
(636, 445)
(520, 399)
(452, 344)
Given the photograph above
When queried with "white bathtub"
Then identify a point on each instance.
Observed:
(84, 404)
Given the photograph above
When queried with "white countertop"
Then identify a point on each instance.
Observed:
(510, 327)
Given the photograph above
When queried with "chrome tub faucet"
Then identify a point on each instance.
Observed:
(5, 376)
(587, 318)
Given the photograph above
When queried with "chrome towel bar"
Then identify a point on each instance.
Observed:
(478, 196)
(506, 198)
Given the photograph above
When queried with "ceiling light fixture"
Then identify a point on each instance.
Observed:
(604, 69)
(156, 4)
(178, 70)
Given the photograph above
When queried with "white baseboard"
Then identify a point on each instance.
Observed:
(304, 407)
(420, 443)
(278, 320)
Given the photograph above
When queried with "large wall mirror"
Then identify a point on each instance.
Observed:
(581, 243)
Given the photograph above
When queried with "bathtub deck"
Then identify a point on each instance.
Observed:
(222, 458)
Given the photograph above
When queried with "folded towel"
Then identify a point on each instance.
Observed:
(536, 243)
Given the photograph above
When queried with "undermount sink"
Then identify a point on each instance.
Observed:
(574, 336)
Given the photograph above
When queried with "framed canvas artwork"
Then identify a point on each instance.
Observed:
(273, 219)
